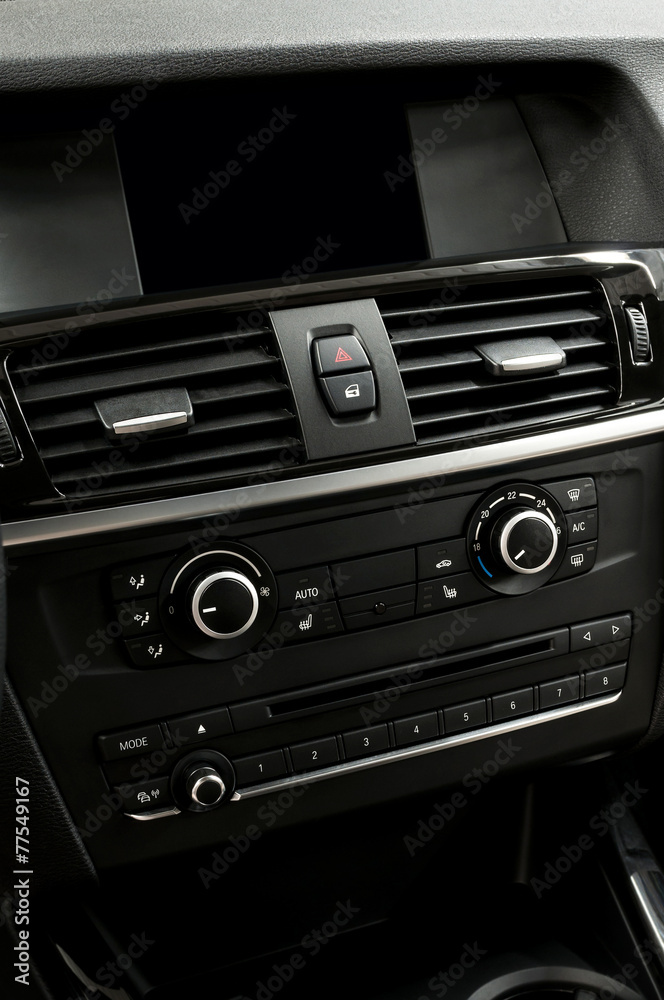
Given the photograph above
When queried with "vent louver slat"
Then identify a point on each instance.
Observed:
(453, 394)
(243, 412)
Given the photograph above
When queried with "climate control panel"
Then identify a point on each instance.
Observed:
(218, 602)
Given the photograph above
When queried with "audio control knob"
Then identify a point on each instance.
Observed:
(224, 605)
(525, 540)
(204, 786)
(202, 780)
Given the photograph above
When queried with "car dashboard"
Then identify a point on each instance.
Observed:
(331, 464)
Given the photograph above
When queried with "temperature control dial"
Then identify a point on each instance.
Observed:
(516, 539)
(526, 540)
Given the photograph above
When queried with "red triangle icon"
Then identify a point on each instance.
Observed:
(342, 356)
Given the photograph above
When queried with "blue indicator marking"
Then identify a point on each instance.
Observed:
(484, 568)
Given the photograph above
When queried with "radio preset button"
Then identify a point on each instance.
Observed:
(559, 692)
(416, 729)
(508, 706)
(364, 742)
(314, 754)
(609, 679)
(257, 767)
(470, 715)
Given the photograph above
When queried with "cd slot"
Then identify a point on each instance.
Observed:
(418, 676)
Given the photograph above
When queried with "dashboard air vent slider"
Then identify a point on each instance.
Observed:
(145, 412)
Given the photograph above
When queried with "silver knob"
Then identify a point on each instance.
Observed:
(204, 786)
(224, 604)
(528, 541)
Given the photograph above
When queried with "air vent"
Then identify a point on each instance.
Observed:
(243, 413)
(443, 339)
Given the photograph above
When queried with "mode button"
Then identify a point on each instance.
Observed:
(130, 741)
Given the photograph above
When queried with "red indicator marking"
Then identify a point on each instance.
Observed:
(342, 356)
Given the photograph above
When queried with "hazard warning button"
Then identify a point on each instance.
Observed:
(336, 355)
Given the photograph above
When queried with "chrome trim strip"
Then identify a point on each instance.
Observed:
(155, 422)
(325, 486)
(644, 874)
(155, 814)
(499, 729)
(532, 362)
(647, 261)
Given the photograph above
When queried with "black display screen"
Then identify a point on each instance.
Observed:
(269, 184)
